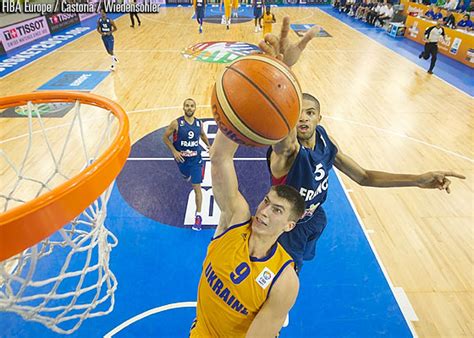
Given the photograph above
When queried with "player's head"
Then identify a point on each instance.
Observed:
(465, 17)
(189, 107)
(103, 14)
(439, 22)
(268, 9)
(279, 211)
(310, 117)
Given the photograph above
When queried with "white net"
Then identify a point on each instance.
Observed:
(65, 278)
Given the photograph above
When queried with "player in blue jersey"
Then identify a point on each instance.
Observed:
(199, 11)
(303, 160)
(186, 131)
(106, 27)
(257, 13)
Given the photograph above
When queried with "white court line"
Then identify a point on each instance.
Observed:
(405, 58)
(379, 261)
(402, 136)
(149, 313)
(406, 306)
(327, 117)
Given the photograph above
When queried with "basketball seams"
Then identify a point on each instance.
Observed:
(283, 68)
(233, 119)
(236, 123)
(263, 94)
(241, 120)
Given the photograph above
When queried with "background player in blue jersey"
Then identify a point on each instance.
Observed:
(186, 131)
(304, 158)
(257, 13)
(199, 11)
(106, 27)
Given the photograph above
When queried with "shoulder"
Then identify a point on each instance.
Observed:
(287, 284)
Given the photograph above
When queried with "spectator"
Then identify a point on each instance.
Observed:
(374, 12)
(462, 6)
(398, 16)
(387, 14)
(451, 5)
(429, 13)
(438, 15)
(449, 20)
(440, 3)
(465, 23)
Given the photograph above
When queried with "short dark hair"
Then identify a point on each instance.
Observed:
(189, 99)
(292, 196)
(311, 98)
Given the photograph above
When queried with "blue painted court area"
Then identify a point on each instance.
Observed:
(82, 81)
(343, 291)
(453, 72)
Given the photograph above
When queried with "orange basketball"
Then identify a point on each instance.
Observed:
(256, 100)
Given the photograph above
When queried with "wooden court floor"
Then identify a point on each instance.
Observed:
(383, 110)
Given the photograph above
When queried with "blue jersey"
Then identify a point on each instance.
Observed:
(310, 172)
(105, 25)
(186, 139)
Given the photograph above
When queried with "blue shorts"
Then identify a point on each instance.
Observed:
(300, 243)
(257, 12)
(193, 170)
(200, 13)
(108, 43)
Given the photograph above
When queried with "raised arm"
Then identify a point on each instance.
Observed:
(284, 154)
(225, 186)
(270, 318)
(371, 178)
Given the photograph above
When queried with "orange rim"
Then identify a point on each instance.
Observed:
(25, 225)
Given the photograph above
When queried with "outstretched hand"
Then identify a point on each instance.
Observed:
(281, 48)
(438, 180)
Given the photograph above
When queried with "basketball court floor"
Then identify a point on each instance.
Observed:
(391, 262)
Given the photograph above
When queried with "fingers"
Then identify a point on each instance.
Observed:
(445, 185)
(454, 174)
(308, 37)
(266, 48)
(272, 42)
(285, 28)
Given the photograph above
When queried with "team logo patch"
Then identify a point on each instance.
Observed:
(265, 278)
(218, 51)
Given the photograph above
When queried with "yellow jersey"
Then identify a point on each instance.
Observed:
(234, 285)
(267, 23)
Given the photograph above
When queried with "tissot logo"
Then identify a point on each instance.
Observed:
(10, 34)
(22, 30)
(61, 17)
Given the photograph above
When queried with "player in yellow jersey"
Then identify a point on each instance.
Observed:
(235, 8)
(268, 19)
(248, 283)
(227, 11)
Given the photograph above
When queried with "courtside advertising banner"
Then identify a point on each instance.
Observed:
(59, 21)
(21, 33)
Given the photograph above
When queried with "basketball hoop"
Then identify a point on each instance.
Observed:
(54, 246)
